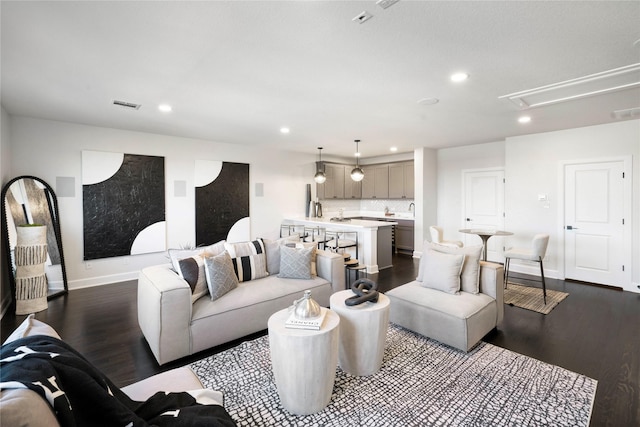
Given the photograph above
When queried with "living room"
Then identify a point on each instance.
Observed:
(49, 147)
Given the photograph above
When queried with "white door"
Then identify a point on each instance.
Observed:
(484, 208)
(595, 224)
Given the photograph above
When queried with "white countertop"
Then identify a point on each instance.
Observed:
(354, 223)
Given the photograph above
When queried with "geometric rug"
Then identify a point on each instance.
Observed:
(421, 383)
(531, 298)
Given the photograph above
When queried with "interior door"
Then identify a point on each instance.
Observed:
(484, 208)
(595, 224)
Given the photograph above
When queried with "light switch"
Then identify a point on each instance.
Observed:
(542, 197)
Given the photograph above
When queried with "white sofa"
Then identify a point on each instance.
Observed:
(457, 319)
(175, 328)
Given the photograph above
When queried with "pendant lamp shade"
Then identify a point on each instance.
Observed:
(357, 174)
(320, 177)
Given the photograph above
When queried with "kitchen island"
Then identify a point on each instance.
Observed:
(374, 238)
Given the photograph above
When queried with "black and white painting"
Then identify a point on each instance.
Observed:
(123, 198)
(222, 202)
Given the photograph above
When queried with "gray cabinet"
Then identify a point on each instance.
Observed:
(375, 184)
(352, 189)
(401, 180)
(404, 236)
(333, 187)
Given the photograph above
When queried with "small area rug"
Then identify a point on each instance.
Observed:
(421, 383)
(530, 298)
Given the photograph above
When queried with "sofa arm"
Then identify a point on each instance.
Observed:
(164, 312)
(492, 284)
(330, 266)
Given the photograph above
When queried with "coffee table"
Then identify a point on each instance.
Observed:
(304, 362)
(363, 331)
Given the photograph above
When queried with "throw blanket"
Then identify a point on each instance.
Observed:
(81, 395)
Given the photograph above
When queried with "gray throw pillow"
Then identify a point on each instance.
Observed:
(221, 277)
(295, 263)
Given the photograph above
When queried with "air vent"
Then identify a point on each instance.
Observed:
(127, 104)
(386, 3)
(627, 113)
(362, 17)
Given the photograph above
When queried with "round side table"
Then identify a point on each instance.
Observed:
(304, 362)
(363, 331)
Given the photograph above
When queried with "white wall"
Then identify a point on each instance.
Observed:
(533, 165)
(426, 195)
(50, 149)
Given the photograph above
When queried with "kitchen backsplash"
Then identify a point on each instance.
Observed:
(371, 205)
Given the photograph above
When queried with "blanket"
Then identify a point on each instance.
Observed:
(80, 395)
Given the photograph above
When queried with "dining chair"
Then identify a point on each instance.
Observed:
(436, 237)
(535, 253)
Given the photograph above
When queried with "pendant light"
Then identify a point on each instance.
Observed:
(320, 177)
(357, 173)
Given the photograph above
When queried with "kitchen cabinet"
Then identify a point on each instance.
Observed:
(401, 180)
(404, 236)
(352, 189)
(333, 187)
(375, 184)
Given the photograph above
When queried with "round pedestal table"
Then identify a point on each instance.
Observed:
(304, 362)
(363, 331)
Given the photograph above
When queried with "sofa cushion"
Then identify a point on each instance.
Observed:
(462, 305)
(221, 276)
(441, 271)
(295, 263)
(470, 276)
(29, 327)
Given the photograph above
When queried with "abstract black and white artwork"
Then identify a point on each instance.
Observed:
(222, 202)
(123, 197)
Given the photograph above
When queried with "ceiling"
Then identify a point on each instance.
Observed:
(238, 71)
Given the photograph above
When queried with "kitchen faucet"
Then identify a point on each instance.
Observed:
(412, 205)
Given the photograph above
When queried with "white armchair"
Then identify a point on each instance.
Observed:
(436, 237)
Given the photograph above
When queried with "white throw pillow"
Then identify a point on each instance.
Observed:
(470, 277)
(442, 271)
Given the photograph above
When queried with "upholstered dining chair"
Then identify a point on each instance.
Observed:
(535, 253)
(436, 237)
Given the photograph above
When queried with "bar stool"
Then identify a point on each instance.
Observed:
(317, 235)
(337, 240)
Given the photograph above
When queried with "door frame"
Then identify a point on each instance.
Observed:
(627, 210)
(464, 173)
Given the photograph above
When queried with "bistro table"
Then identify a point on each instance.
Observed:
(485, 234)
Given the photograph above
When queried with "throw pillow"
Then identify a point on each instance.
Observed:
(192, 271)
(470, 277)
(272, 252)
(295, 263)
(255, 247)
(215, 249)
(442, 271)
(221, 277)
(307, 245)
(250, 267)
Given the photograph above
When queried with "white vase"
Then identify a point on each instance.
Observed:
(30, 258)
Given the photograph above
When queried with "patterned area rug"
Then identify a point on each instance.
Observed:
(421, 383)
(531, 298)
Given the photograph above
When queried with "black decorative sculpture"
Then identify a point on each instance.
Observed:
(365, 290)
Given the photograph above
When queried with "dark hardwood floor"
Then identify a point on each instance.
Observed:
(595, 332)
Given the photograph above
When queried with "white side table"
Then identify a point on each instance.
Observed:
(304, 362)
(363, 331)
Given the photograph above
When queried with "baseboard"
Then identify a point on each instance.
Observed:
(533, 270)
(102, 280)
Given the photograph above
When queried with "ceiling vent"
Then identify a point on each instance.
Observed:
(125, 104)
(628, 113)
(386, 3)
(595, 84)
(362, 17)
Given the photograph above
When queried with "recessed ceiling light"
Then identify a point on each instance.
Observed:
(285, 130)
(165, 108)
(393, 149)
(459, 77)
(524, 119)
